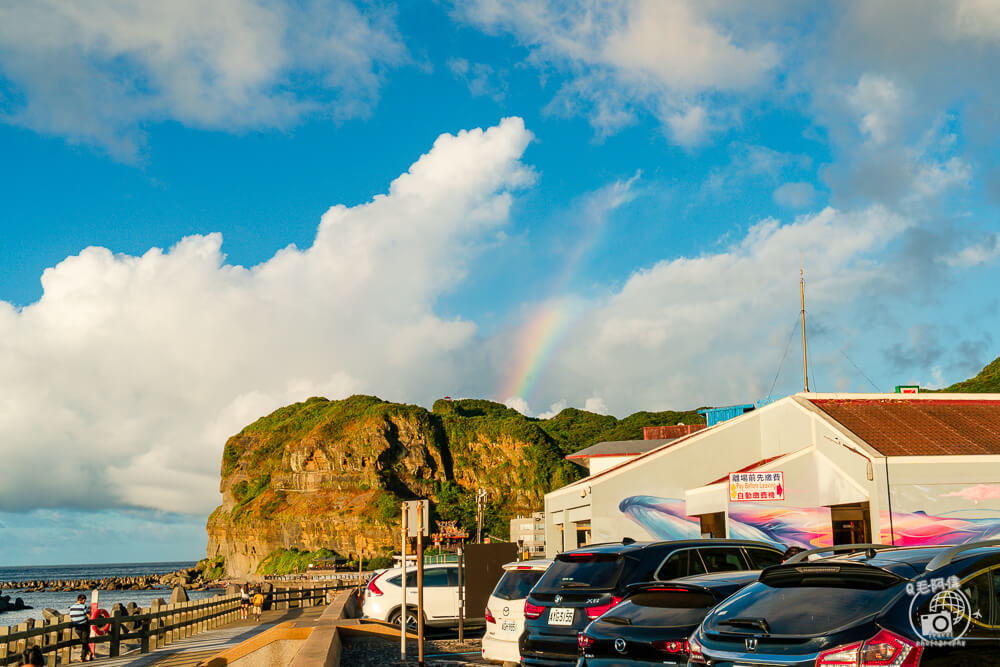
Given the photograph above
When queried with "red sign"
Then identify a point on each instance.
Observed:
(756, 486)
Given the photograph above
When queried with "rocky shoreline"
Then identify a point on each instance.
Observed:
(189, 578)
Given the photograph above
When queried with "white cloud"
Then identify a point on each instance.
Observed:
(481, 78)
(132, 371)
(519, 404)
(693, 330)
(96, 73)
(983, 252)
(596, 404)
(878, 102)
(795, 195)
(553, 410)
(670, 58)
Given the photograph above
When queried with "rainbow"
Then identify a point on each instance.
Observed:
(545, 326)
(536, 343)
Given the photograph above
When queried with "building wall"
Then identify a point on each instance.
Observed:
(942, 500)
(933, 498)
(530, 532)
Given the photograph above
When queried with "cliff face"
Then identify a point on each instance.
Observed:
(331, 473)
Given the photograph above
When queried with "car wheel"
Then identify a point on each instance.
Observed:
(411, 618)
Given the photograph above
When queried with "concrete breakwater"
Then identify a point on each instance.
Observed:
(188, 578)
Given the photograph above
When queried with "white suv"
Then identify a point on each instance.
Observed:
(505, 610)
(384, 596)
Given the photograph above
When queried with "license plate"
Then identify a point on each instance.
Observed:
(508, 626)
(561, 616)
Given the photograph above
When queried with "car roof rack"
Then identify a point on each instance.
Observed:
(949, 555)
(870, 549)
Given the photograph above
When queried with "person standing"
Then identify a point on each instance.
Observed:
(244, 602)
(258, 604)
(81, 626)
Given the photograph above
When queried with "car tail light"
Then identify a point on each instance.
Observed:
(532, 611)
(695, 654)
(672, 646)
(372, 588)
(842, 655)
(584, 641)
(594, 612)
(489, 617)
(886, 649)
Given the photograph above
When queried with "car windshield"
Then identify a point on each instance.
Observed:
(663, 607)
(581, 571)
(798, 610)
(515, 584)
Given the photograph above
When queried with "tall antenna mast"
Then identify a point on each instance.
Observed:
(802, 298)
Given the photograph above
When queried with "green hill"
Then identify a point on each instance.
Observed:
(986, 382)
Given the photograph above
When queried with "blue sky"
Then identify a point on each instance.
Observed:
(590, 204)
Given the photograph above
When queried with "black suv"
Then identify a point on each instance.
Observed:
(876, 605)
(651, 625)
(582, 584)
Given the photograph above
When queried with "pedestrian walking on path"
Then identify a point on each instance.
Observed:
(81, 626)
(258, 604)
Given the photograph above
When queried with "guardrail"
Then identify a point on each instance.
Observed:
(151, 628)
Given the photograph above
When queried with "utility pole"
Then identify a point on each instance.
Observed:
(405, 611)
(480, 502)
(802, 298)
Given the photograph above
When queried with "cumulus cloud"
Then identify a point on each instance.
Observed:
(132, 371)
(676, 60)
(710, 328)
(96, 73)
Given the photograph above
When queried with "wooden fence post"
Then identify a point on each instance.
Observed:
(115, 636)
(154, 626)
(66, 635)
(4, 631)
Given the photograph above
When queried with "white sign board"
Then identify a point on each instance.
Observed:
(412, 507)
(756, 486)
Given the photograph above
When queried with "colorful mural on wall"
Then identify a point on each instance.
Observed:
(942, 514)
(806, 527)
(665, 518)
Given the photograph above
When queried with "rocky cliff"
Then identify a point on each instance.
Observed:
(331, 474)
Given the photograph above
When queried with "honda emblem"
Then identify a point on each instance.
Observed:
(751, 644)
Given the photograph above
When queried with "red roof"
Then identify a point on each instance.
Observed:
(920, 427)
(752, 466)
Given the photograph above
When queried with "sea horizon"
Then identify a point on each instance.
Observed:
(61, 600)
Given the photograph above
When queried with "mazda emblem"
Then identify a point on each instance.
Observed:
(620, 645)
(558, 599)
(506, 611)
(751, 644)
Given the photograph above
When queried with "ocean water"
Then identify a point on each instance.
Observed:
(62, 600)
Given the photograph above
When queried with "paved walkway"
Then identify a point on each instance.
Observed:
(189, 652)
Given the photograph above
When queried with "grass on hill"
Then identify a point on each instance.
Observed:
(986, 382)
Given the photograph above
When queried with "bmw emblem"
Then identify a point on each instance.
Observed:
(557, 599)
(620, 645)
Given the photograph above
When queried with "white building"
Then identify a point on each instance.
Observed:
(899, 468)
(528, 532)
